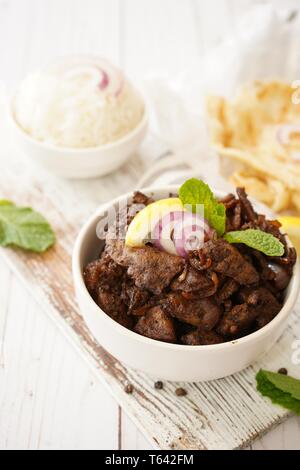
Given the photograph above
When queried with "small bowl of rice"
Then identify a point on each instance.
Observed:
(80, 117)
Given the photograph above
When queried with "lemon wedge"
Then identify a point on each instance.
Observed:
(291, 226)
(144, 222)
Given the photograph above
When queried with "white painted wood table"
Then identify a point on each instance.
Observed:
(48, 397)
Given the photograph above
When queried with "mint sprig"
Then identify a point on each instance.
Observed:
(194, 193)
(281, 389)
(24, 228)
(257, 239)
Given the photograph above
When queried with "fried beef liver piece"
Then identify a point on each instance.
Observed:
(226, 259)
(200, 337)
(259, 307)
(238, 320)
(229, 288)
(92, 274)
(204, 313)
(133, 297)
(263, 302)
(110, 301)
(157, 324)
(192, 280)
(103, 271)
(150, 268)
(103, 279)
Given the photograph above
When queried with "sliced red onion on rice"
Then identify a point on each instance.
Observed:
(104, 82)
(102, 74)
(112, 80)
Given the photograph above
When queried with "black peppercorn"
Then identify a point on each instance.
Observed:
(129, 389)
(283, 371)
(159, 385)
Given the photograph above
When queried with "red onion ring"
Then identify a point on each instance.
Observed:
(179, 232)
(165, 227)
(191, 234)
(188, 237)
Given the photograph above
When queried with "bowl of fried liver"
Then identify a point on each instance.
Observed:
(194, 319)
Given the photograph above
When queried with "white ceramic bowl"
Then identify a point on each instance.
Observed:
(78, 163)
(163, 360)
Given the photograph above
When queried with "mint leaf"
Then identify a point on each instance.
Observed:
(195, 192)
(24, 228)
(257, 239)
(284, 382)
(281, 389)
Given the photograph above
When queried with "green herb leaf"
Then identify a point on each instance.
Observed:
(24, 228)
(257, 239)
(281, 389)
(194, 193)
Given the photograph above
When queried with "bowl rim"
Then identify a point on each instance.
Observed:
(142, 124)
(252, 337)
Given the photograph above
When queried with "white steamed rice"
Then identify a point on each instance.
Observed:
(71, 111)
